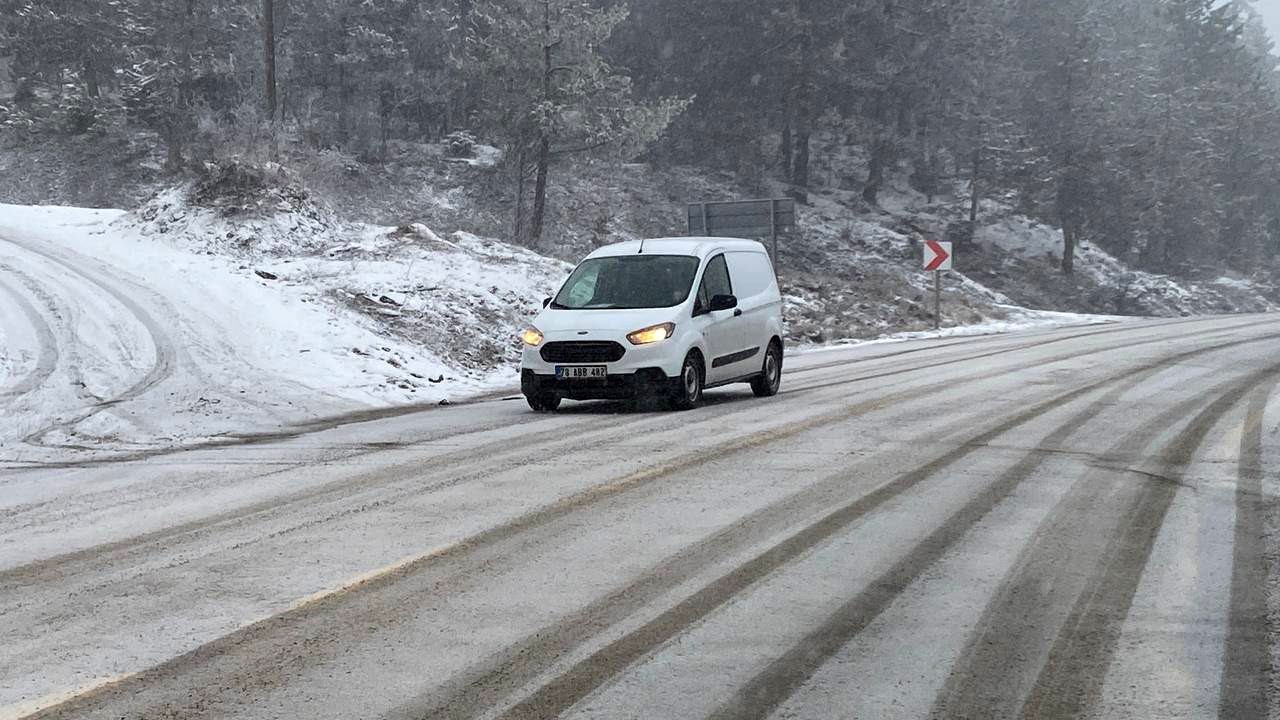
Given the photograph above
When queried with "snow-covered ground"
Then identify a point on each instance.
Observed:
(1020, 236)
(110, 338)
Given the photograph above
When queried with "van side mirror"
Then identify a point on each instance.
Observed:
(546, 302)
(723, 302)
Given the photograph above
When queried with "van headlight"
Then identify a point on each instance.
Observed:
(531, 337)
(651, 335)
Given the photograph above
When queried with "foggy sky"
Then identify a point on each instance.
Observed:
(1270, 10)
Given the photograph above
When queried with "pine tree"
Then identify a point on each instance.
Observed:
(539, 65)
(184, 65)
(1060, 156)
(975, 100)
(731, 58)
(79, 40)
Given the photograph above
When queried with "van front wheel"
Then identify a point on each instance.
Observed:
(543, 403)
(688, 389)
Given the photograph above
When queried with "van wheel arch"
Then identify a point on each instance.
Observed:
(696, 352)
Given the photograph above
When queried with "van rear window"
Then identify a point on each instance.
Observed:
(628, 282)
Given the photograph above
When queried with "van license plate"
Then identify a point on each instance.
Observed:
(582, 372)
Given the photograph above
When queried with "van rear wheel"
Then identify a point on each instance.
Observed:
(766, 384)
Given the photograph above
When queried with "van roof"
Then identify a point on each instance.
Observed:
(699, 247)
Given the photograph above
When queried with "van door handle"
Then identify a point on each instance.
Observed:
(737, 312)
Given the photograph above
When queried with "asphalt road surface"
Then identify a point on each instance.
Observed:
(1073, 524)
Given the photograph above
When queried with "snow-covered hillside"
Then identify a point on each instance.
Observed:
(110, 337)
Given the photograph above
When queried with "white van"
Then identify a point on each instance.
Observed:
(663, 318)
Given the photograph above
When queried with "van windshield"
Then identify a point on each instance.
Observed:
(628, 282)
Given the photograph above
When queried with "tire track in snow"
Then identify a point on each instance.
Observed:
(1246, 664)
(781, 678)
(1072, 678)
(993, 673)
(47, 357)
(61, 320)
(165, 351)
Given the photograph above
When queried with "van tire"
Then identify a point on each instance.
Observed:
(543, 403)
(687, 393)
(766, 384)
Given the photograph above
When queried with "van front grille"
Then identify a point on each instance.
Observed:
(583, 352)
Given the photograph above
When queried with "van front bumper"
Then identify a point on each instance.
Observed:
(627, 360)
(641, 383)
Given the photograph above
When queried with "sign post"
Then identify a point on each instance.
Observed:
(937, 300)
(937, 258)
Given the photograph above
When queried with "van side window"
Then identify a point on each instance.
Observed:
(715, 281)
(717, 278)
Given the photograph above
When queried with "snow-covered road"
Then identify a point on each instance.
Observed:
(1076, 523)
